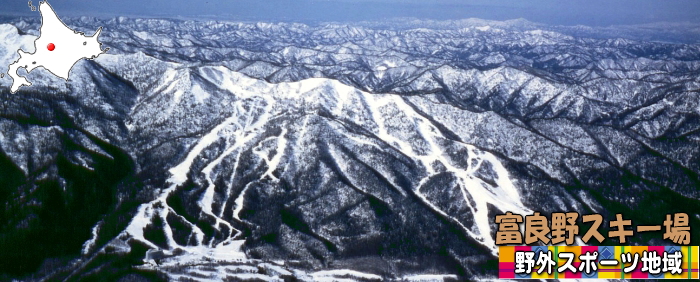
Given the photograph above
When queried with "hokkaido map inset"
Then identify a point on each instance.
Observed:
(58, 49)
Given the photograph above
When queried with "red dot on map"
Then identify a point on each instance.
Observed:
(51, 47)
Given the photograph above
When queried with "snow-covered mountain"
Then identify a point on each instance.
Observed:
(216, 150)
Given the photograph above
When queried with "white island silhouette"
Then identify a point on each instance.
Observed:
(58, 49)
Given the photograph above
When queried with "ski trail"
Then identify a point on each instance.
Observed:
(504, 196)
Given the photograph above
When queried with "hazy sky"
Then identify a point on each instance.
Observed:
(567, 12)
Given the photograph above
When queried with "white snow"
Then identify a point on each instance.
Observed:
(199, 93)
(179, 173)
(89, 244)
(256, 105)
(275, 160)
(334, 275)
